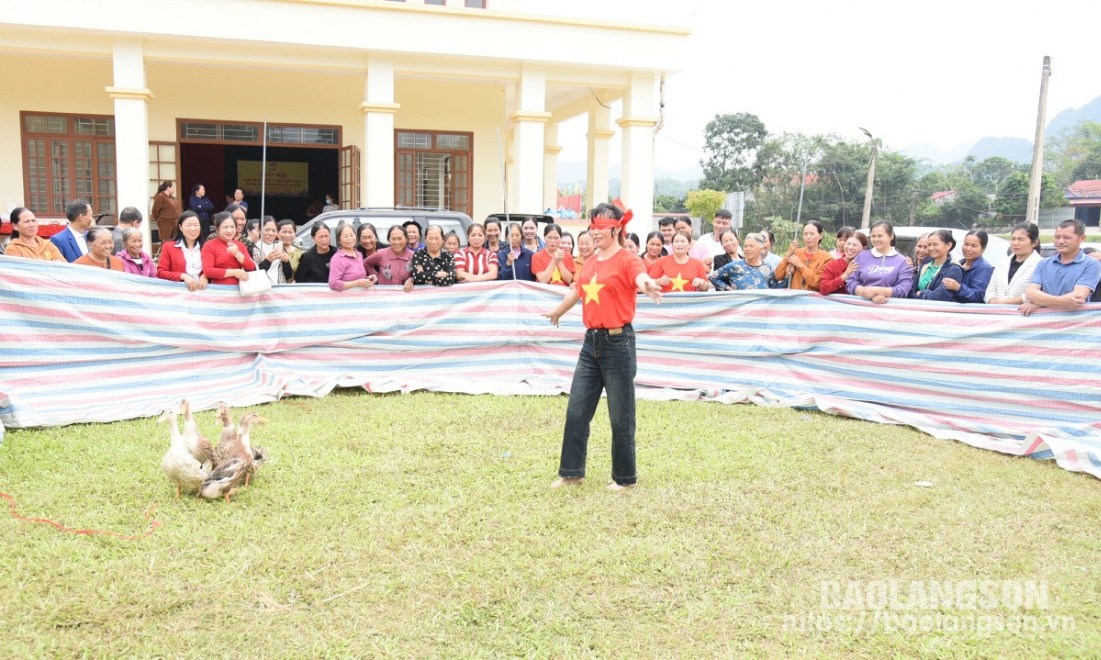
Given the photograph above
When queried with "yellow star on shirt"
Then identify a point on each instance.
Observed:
(557, 277)
(678, 283)
(592, 291)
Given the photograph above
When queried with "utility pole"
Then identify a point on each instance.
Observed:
(802, 185)
(1032, 214)
(866, 219)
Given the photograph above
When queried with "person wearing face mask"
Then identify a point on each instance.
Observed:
(881, 273)
(330, 204)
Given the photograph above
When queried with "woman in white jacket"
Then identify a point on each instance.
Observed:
(1011, 278)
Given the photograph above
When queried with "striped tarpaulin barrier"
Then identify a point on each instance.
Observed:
(79, 344)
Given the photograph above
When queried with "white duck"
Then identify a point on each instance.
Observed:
(178, 463)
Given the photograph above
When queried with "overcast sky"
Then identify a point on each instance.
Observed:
(938, 72)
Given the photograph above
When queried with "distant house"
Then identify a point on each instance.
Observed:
(1085, 197)
(943, 197)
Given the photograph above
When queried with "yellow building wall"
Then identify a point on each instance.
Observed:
(191, 91)
(478, 108)
(43, 85)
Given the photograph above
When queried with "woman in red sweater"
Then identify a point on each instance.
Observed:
(226, 260)
(836, 271)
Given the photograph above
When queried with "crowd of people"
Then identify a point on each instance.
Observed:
(203, 247)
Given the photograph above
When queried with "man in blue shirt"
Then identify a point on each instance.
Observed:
(1064, 280)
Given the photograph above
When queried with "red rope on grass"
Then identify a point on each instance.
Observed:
(153, 523)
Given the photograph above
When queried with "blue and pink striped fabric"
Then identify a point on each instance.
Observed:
(80, 344)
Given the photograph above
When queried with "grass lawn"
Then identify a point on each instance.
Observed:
(423, 525)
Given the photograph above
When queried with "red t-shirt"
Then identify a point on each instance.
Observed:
(608, 290)
(681, 275)
(541, 259)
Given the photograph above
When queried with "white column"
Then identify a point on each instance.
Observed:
(550, 166)
(596, 172)
(378, 108)
(640, 115)
(529, 121)
(508, 138)
(132, 129)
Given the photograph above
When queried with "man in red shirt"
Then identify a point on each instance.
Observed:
(607, 288)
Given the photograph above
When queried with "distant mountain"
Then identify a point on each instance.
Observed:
(935, 155)
(1071, 116)
(1017, 150)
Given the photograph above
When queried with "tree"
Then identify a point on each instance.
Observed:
(669, 204)
(780, 164)
(1012, 201)
(1076, 154)
(989, 174)
(730, 151)
(702, 204)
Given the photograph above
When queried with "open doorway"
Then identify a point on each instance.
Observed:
(298, 178)
(304, 165)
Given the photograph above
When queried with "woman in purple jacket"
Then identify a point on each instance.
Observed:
(134, 260)
(882, 273)
(346, 270)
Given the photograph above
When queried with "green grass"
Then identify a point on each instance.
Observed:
(423, 525)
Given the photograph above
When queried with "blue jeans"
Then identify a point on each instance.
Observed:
(607, 362)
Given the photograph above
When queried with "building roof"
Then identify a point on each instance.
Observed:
(1086, 192)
